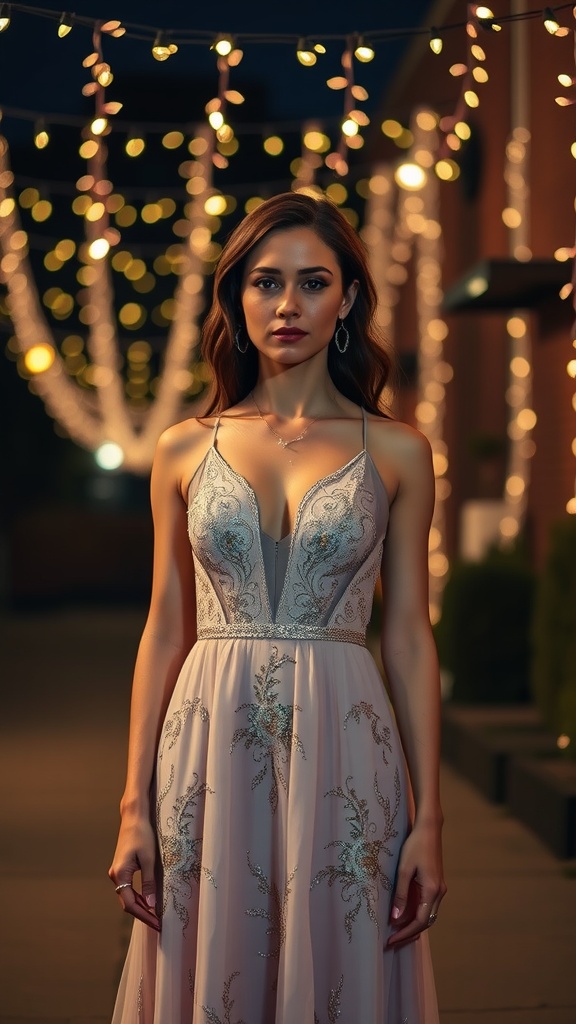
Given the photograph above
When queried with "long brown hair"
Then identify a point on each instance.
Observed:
(361, 373)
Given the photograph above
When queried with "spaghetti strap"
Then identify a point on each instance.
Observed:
(364, 428)
(215, 431)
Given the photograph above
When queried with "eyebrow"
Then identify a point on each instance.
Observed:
(306, 270)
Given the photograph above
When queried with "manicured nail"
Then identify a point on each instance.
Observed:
(395, 913)
(151, 900)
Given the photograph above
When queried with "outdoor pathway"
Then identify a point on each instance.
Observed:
(504, 946)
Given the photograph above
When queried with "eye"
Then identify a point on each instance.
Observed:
(314, 284)
(266, 284)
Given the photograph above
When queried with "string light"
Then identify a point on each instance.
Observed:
(435, 40)
(4, 16)
(64, 25)
(135, 144)
(305, 54)
(99, 125)
(410, 176)
(41, 135)
(550, 23)
(162, 49)
(363, 52)
(223, 44)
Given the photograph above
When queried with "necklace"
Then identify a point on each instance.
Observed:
(280, 441)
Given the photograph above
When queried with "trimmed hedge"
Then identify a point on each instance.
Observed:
(554, 634)
(483, 636)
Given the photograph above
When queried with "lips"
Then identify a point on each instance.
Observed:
(289, 333)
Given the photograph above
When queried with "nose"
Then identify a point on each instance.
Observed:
(288, 305)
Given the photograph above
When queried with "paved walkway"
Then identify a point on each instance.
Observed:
(504, 946)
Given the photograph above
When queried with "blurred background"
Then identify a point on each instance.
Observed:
(132, 140)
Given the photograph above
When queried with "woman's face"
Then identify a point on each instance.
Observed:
(292, 295)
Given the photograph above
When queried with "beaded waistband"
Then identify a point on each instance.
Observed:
(279, 631)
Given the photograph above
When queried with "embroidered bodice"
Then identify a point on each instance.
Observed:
(318, 582)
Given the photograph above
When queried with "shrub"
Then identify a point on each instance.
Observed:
(483, 635)
(554, 634)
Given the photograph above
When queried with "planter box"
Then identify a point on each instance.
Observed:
(480, 743)
(542, 795)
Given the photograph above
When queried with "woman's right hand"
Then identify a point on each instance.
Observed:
(136, 851)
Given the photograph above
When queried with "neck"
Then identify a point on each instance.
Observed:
(296, 392)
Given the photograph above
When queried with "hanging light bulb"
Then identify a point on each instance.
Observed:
(41, 136)
(363, 52)
(4, 16)
(65, 25)
(410, 176)
(223, 44)
(435, 41)
(99, 125)
(305, 54)
(550, 23)
(161, 48)
(135, 143)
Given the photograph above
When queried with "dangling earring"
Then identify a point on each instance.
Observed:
(342, 344)
(237, 342)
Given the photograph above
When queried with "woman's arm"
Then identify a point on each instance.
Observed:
(411, 666)
(168, 635)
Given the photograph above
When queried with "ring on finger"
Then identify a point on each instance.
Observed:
(432, 918)
(123, 885)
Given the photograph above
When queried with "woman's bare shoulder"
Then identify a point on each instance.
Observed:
(185, 435)
(180, 450)
(397, 439)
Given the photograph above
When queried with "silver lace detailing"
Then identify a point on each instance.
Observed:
(279, 631)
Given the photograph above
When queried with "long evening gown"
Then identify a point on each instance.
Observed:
(281, 791)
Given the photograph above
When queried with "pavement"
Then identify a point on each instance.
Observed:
(504, 947)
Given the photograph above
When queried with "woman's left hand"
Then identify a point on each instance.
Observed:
(420, 885)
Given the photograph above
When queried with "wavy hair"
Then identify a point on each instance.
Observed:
(360, 374)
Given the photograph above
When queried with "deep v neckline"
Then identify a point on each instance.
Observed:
(318, 483)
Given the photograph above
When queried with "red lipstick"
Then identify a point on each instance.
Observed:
(289, 333)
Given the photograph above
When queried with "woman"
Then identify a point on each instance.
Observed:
(266, 802)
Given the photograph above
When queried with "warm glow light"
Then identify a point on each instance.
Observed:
(135, 145)
(563, 741)
(476, 286)
(99, 125)
(39, 358)
(363, 52)
(161, 48)
(305, 55)
(109, 456)
(223, 45)
(435, 41)
(99, 248)
(447, 170)
(215, 205)
(483, 12)
(410, 176)
(216, 119)
(516, 326)
(171, 140)
(273, 145)
(550, 23)
(511, 217)
(41, 136)
(4, 16)
(393, 129)
(526, 419)
(471, 98)
(316, 141)
(349, 127)
(65, 25)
